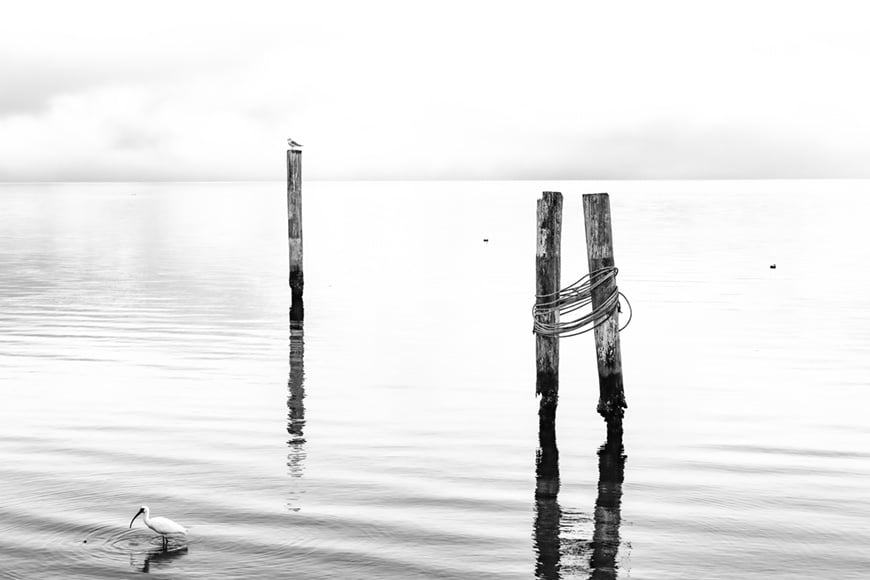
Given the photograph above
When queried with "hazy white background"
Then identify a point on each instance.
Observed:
(105, 90)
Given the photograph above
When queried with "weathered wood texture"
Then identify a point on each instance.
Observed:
(294, 231)
(547, 279)
(599, 250)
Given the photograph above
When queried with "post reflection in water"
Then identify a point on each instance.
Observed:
(296, 405)
(548, 516)
(611, 473)
(562, 550)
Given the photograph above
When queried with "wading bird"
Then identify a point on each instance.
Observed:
(163, 526)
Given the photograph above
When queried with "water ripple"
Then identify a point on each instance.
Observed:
(141, 548)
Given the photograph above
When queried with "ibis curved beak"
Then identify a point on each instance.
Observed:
(134, 518)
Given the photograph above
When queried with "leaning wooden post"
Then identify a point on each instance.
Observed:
(294, 228)
(599, 250)
(548, 272)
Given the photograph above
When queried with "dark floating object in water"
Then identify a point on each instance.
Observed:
(773, 266)
(486, 240)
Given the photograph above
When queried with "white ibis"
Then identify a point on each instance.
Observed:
(163, 526)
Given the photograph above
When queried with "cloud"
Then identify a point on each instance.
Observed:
(459, 90)
(29, 86)
(216, 130)
(665, 150)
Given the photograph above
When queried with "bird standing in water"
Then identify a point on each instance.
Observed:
(163, 526)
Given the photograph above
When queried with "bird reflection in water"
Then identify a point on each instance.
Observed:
(562, 550)
(158, 559)
(296, 406)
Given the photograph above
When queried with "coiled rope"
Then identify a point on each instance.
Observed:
(576, 297)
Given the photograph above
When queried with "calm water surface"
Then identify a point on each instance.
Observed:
(146, 358)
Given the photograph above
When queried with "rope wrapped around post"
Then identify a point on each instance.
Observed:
(576, 297)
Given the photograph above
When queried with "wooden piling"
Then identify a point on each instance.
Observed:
(294, 230)
(548, 273)
(599, 250)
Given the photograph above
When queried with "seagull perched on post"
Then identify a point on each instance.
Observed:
(293, 144)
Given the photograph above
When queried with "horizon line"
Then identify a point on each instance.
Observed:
(449, 179)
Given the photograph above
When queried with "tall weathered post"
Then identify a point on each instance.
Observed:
(294, 228)
(599, 250)
(547, 278)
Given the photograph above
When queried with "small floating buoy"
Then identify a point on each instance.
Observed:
(773, 266)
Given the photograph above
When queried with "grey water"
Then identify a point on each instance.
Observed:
(146, 357)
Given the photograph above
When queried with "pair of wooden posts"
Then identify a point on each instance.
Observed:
(599, 245)
(599, 251)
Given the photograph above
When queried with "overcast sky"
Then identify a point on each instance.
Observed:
(408, 89)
